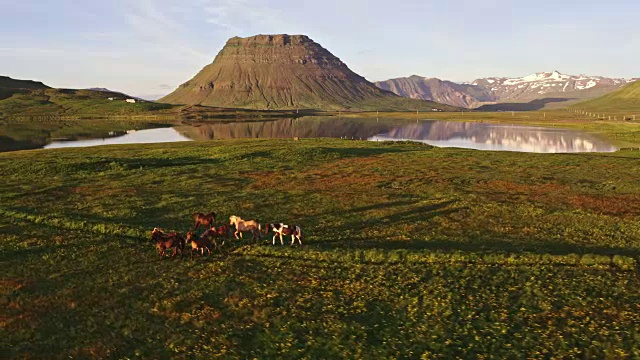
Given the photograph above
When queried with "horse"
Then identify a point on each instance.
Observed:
(223, 231)
(283, 230)
(206, 220)
(211, 235)
(172, 241)
(203, 243)
(245, 225)
(157, 234)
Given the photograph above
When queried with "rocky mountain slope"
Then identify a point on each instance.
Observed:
(285, 72)
(555, 88)
(446, 92)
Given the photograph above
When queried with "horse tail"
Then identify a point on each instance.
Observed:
(299, 231)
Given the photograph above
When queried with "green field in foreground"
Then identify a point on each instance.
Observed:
(409, 252)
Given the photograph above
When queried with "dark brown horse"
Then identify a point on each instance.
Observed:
(223, 231)
(213, 233)
(206, 220)
(201, 244)
(172, 241)
(158, 234)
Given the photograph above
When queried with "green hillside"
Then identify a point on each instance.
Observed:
(9, 83)
(627, 99)
(52, 102)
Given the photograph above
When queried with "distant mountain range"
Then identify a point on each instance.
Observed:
(540, 90)
(442, 91)
(286, 72)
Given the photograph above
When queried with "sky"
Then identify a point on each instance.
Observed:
(147, 48)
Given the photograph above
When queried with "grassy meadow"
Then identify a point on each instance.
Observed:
(409, 251)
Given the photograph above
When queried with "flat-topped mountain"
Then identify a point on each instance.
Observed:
(284, 72)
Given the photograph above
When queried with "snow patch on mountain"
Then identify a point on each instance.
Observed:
(542, 83)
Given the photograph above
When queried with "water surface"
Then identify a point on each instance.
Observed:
(471, 135)
(497, 137)
(131, 137)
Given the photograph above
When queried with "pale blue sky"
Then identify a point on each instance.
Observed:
(147, 48)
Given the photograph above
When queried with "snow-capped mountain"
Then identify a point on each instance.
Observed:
(543, 84)
(532, 92)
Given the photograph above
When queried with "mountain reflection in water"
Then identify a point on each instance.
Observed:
(306, 127)
(471, 135)
(497, 137)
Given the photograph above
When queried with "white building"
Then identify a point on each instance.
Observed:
(132, 101)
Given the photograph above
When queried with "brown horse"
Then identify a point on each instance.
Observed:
(203, 243)
(157, 234)
(206, 220)
(212, 234)
(223, 231)
(172, 241)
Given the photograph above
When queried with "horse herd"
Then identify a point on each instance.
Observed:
(208, 240)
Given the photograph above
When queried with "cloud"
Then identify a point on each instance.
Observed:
(235, 15)
(563, 26)
(31, 51)
(160, 29)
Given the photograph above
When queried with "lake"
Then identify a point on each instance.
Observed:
(470, 135)
(147, 136)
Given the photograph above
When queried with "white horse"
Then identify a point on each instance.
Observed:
(283, 230)
(245, 225)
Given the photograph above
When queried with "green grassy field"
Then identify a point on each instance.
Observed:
(409, 252)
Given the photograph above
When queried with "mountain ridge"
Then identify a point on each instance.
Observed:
(443, 91)
(7, 82)
(560, 89)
